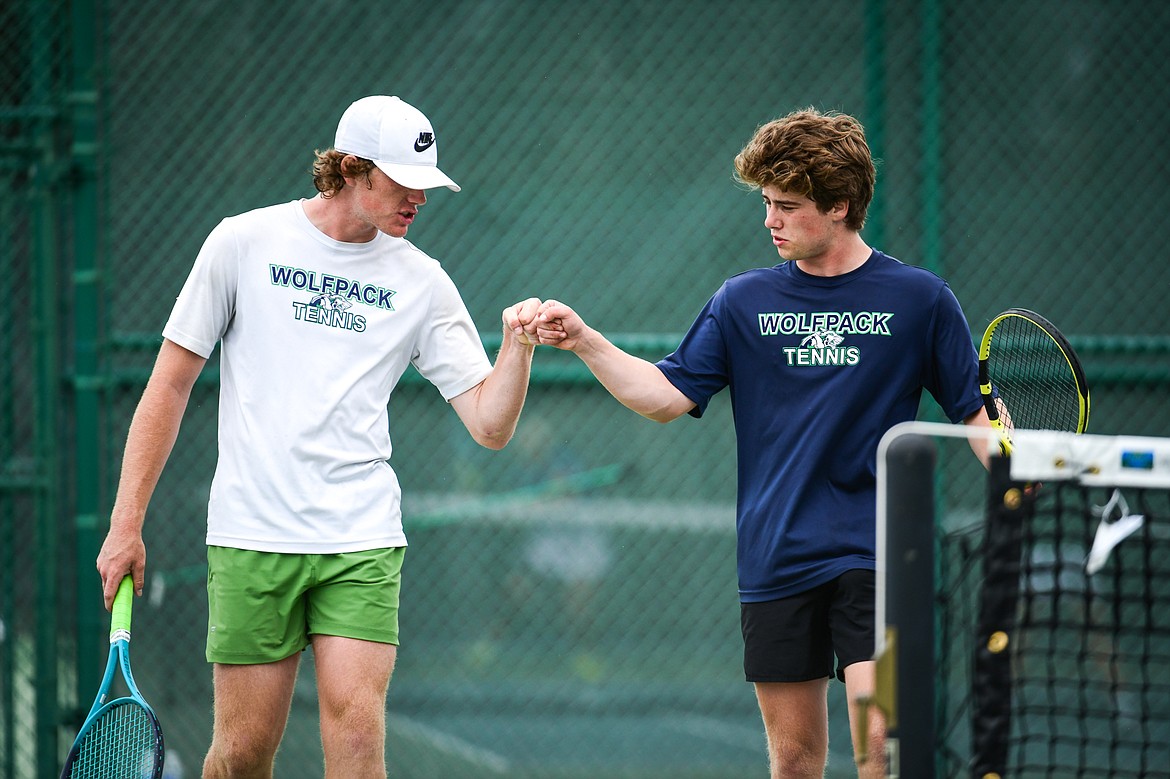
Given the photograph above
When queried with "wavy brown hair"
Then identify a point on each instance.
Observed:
(822, 156)
(329, 171)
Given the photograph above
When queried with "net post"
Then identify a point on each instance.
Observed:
(907, 664)
(1008, 506)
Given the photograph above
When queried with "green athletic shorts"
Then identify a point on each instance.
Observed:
(263, 606)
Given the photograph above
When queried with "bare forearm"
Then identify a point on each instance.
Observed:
(492, 409)
(153, 432)
(152, 435)
(638, 384)
(979, 429)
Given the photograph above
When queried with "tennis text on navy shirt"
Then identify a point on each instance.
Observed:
(823, 334)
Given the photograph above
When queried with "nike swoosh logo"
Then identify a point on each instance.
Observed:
(423, 146)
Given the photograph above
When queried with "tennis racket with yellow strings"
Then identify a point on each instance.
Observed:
(1030, 377)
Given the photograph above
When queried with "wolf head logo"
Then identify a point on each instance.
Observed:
(330, 302)
(823, 339)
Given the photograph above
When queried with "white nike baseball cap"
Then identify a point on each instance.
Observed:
(396, 137)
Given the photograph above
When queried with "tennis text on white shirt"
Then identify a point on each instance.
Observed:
(332, 297)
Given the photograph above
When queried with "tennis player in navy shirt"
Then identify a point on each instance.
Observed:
(822, 354)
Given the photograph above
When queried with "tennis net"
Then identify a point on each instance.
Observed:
(1045, 617)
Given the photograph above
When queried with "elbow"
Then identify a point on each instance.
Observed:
(495, 444)
(669, 411)
(494, 440)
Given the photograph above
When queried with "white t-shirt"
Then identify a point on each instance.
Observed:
(316, 333)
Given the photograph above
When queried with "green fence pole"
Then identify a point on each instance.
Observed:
(43, 18)
(87, 329)
(8, 211)
(931, 32)
(45, 334)
(930, 164)
(875, 121)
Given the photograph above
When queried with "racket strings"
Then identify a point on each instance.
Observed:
(1033, 378)
(122, 744)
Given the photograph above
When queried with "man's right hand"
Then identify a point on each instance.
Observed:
(123, 553)
(560, 326)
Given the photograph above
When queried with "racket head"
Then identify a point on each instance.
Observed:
(123, 740)
(120, 737)
(1030, 377)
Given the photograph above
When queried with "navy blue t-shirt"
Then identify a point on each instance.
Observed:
(819, 369)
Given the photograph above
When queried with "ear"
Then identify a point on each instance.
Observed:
(840, 210)
(345, 165)
(351, 176)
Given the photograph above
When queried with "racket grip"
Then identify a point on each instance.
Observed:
(123, 602)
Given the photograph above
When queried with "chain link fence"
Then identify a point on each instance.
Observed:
(569, 605)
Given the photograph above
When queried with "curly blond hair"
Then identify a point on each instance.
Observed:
(329, 171)
(822, 156)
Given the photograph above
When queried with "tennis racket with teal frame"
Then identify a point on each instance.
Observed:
(120, 738)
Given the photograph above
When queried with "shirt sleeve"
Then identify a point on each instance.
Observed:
(449, 351)
(698, 368)
(953, 380)
(207, 302)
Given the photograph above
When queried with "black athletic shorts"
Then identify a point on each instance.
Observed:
(794, 639)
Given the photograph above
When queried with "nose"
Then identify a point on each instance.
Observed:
(772, 218)
(417, 196)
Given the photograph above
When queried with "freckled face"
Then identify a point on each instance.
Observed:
(799, 230)
(386, 205)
